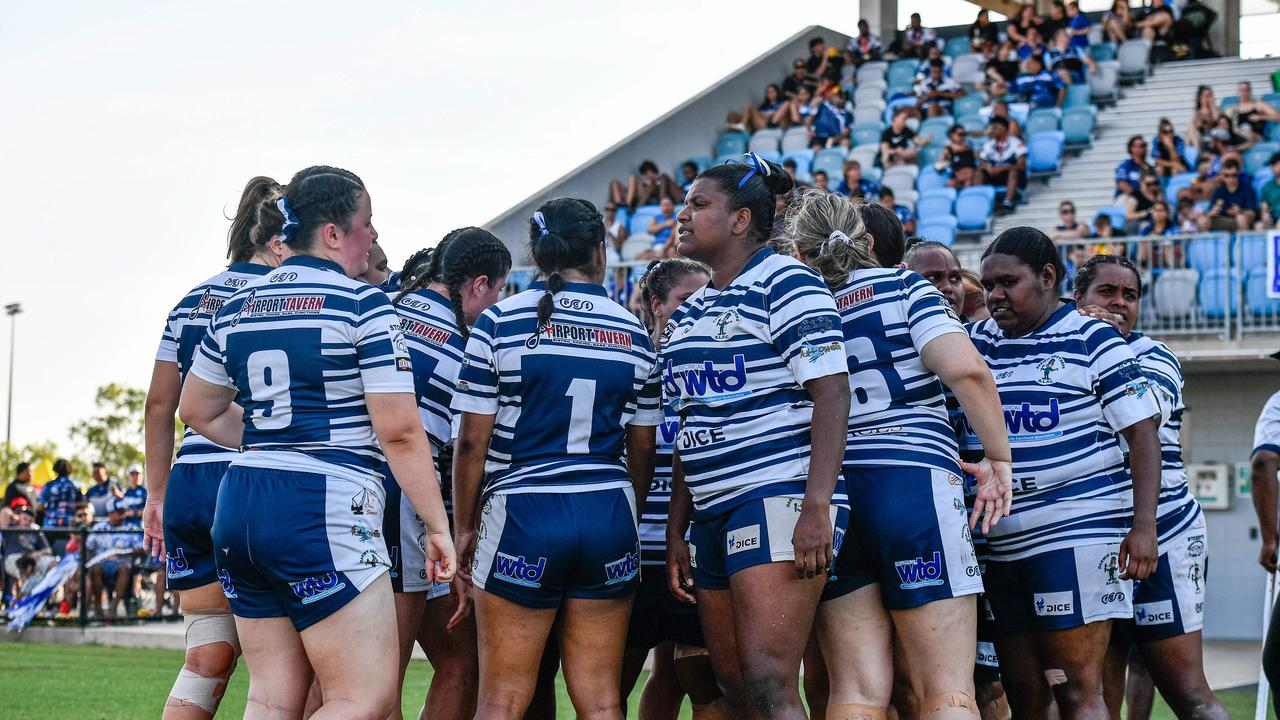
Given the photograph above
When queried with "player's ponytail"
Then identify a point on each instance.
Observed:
(563, 235)
(830, 235)
(256, 221)
(754, 184)
(1032, 247)
(315, 197)
(472, 252)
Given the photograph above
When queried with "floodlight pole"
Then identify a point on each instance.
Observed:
(12, 310)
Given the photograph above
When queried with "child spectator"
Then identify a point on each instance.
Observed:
(1078, 26)
(917, 38)
(14, 545)
(1039, 87)
(853, 185)
(647, 188)
(936, 93)
(904, 213)
(1270, 197)
(898, 143)
(1131, 170)
(958, 159)
(1234, 206)
(1160, 222)
(1003, 162)
(1069, 228)
(983, 34)
(1225, 140)
(1168, 150)
(864, 46)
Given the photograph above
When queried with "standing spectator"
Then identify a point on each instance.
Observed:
(1169, 151)
(135, 496)
(792, 83)
(1130, 171)
(1251, 115)
(1137, 205)
(661, 228)
(1039, 87)
(898, 143)
(116, 570)
(1270, 198)
(864, 46)
(770, 113)
(958, 159)
(1020, 26)
(20, 487)
(647, 188)
(904, 213)
(936, 93)
(983, 34)
(104, 488)
(854, 185)
(1204, 118)
(1069, 228)
(1003, 162)
(1078, 26)
(1234, 206)
(1117, 24)
(1157, 21)
(917, 38)
(58, 500)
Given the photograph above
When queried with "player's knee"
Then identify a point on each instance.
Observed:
(211, 660)
(948, 701)
(988, 692)
(1072, 690)
(765, 689)
(212, 649)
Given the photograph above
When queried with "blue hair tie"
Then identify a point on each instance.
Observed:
(542, 224)
(758, 165)
(291, 222)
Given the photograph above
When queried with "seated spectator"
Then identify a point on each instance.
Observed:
(1203, 119)
(1226, 141)
(689, 173)
(917, 38)
(1234, 206)
(933, 52)
(1039, 87)
(792, 83)
(614, 229)
(820, 180)
(104, 489)
(832, 122)
(135, 496)
(1168, 150)
(1069, 62)
(1189, 215)
(770, 113)
(115, 570)
(936, 93)
(1208, 178)
(1069, 228)
(1270, 197)
(804, 108)
(864, 46)
(821, 65)
(904, 213)
(1033, 46)
(1103, 230)
(647, 188)
(1117, 24)
(661, 228)
(958, 159)
(790, 166)
(1056, 21)
(854, 185)
(1026, 20)
(1003, 162)
(1164, 254)
(1251, 115)
(1003, 109)
(1001, 62)
(1078, 26)
(1137, 205)
(1131, 170)
(1160, 222)
(20, 487)
(15, 545)
(983, 33)
(1156, 21)
(899, 144)
(59, 501)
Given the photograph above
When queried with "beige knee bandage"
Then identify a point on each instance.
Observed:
(854, 711)
(204, 629)
(952, 699)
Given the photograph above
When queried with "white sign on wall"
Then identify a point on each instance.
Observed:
(1273, 265)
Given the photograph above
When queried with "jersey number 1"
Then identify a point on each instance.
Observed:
(582, 398)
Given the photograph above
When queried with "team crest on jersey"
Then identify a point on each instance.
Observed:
(725, 322)
(582, 335)
(1111, 566)
(1048, 367)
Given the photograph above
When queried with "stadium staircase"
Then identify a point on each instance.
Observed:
(1169, 91)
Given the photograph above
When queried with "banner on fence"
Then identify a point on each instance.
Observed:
(1273, 264)
(27, 607)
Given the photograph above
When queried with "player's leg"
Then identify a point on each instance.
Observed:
(903, 699)
(543, 704)
(1140, 690)
(1013, 622)
(816, 683)
(279, 672)
(938, 641)
(212, 648)
(454, 662)
(856, 636)
(355, 655)
(591, 634)
(662, 694)
(718, 616)
(409, 608)
(1115, 669)
(510, 639)
(693, 670)
(1072, 665)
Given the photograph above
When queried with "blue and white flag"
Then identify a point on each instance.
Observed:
(27, 607)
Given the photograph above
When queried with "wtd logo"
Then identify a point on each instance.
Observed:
(177, 565)
(518, 570)
(919, 572)
(228, 589)
(1024, 419)
(312, 589)
(620, 571)
(698, 380)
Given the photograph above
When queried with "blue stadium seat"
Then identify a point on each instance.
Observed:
(930, 179)
(1077, 126)
(1116, 212)
(941, 230)
(767, 140)
(1207, 254)
(1273, 131)
(937, 127)
(772, 156)
(1255, 293)
(732, 143)
(1253, 251)
(796, 138)
(726, 159)
(803, 158)
(970, 104)
(973, 208)
(1176, 183)
(948, 193)
(1256, 157)
(1077, 96)
(866, 134)
(901, 90)
(929, 154)
(873, 174)
(1044, 153)
(930, 207)
(1260, 178)
(902, 71)
(1101, 52)
(1229, 101)
(702, 161)
(955, 46)
(830, 161)
(973, 122)
(1219, 289)
(639, 222)
(1272, 99)
(1042, 120)
(887, 115)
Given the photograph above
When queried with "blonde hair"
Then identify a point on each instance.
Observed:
(829, 234)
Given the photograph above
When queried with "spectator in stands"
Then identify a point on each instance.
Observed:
(904, 213)
(933, 52)
(1188, 216)
(1269, 199)
(853, 185)
(1003, 162)
(958, 159)
(770, 113)
(898, 143)
(14, 545)
(936, 93)
(1026, 19)
(1001, 109)
(1069, 62)
(661, 228)
(1156, 21)
(104, 488)
(1078, 26)
(20, 487)
(115, 570)
(646, 188)
(1039, 87)
(1117, 24)
(917, 38)
(689, 171)
(819, 66)
(864, 46)
(1250, 114)
(1204, 118)
(1234, 206)
(790, 166)
(1226, 141)
(135, 496)
(1131, 170)
(58, 500)
(615, 235)
(1160, 223)
(820, 180)
(983, 34)
(1056, 21)
(1208, 178)
(792, 83)
(1033, 46)
(1137, 205)
(832, 122)
(1163, 254)
(1169, 151)
(1103, 230)
(1001, 63)
(1069, 228)
(804, 108)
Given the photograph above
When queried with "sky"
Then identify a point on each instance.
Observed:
(131, 127)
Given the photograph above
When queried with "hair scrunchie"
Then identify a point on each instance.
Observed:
(291, 222)
(542, 224)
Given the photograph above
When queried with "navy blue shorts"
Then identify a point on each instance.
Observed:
(405, 534)
(535, 549)
(656, 614)
(1170, 603)
(296, 544)
(1058, 590)
(188, 521)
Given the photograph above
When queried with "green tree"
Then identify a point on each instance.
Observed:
(11, 455)
(114, 434)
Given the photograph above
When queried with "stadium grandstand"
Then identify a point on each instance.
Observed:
(1073, 106)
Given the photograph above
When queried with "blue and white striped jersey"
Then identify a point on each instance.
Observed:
(1266, 433)
(186, 327)
(302, 347)
(1068, 389)
(563, 394)
(653, 517)
(1178, 508)
(734, 366)
(898, 415)
(436, 348)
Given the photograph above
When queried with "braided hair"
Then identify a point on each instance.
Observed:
(1031, 246)
(564, 234)
(314, 197)
(471, 253)
(257, 219)
(422, 268)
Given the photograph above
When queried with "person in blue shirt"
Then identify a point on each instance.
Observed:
(57, 503)
(661, 226)
(104, 489)
(1168, 150)
(308, 371)
(831, 122)
(754, 364)
(1234, 205)
(854, 185)
(1078, 26)
(559, 400)
(135, 496)
(111, 554)
(1129, 172)
(1038, 86)
(1169, 605)
(904, 213)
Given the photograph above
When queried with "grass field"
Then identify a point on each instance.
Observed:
(90, 682)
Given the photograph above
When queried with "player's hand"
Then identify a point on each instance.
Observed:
(153, 527)
(812, 540)
(1267, 558)
(465, 542)
(680, 571)
(442, 559)
(1138, 554)
(994, 480)
(460, 591)
(1098, 312)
